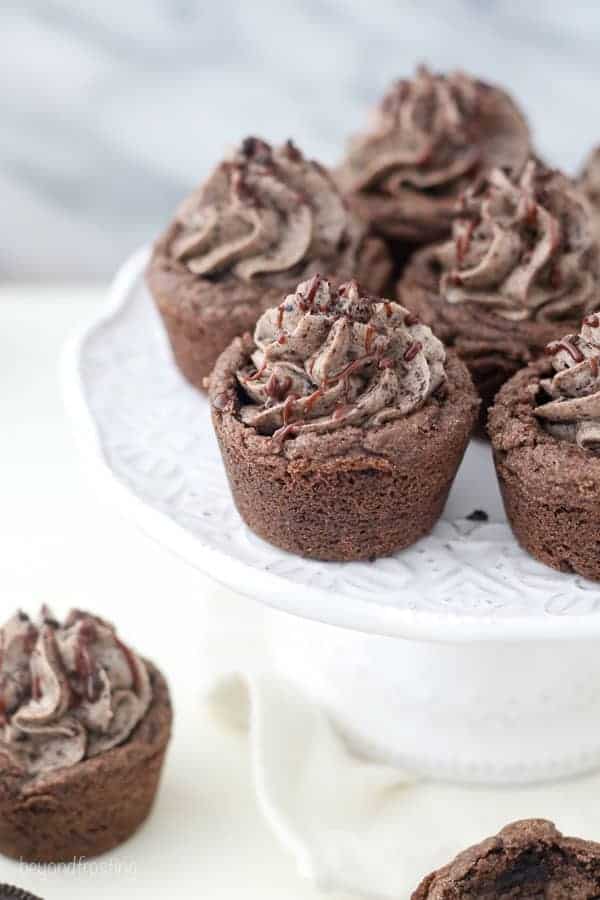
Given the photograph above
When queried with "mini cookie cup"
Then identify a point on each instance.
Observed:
(88, 808)
(350, 494)
(550, 487)
(492, 347)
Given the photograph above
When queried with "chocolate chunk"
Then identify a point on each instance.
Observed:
(478, 515)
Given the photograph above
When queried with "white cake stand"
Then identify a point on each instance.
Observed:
(461, 657)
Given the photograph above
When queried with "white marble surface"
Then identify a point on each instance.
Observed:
(111, 111)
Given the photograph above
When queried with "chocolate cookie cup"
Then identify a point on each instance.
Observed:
(341, 425)
(10, 892)
(521, 269)
(265, 219)
(85, 726)
(430, 137)
(545, 432)
(528, 859)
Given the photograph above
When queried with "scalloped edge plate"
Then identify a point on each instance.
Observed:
(512, 598)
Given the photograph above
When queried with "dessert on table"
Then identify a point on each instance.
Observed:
(264, 220)
(545, 432)
(429, 138)
(84, 727)
(527, 859)
(521, 269)
(342, 423)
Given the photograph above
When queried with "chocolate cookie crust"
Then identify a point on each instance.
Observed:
(550, 487)
(347, 494)
(88, 808)
(528, 859)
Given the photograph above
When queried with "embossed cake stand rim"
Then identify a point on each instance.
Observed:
(268, 587)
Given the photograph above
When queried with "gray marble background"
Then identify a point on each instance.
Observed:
(111, 110)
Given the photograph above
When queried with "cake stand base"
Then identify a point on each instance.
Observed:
(489, 713)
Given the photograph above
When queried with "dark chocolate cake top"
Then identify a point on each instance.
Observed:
(265, 211)
(433, 133)
(326, 358)
(573, 411)
(529, 860)
(523, 248)
(67, 691)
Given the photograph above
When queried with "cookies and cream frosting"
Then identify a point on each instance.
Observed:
(429, 136)
(67, 692)
(263, 212)
(573, 412)
(328, 358)
(522, 248)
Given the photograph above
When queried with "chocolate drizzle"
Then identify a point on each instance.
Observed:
(411, 351)
(276, 389)
(347, 359)
(568, 346)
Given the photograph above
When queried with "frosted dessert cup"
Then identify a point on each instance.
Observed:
(342, 423)
(84, 731)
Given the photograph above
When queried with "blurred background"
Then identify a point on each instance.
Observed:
(112, 110)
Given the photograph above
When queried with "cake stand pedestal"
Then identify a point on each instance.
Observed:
(460, 658)
(478, 712)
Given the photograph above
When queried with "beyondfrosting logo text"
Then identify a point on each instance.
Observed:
(82, 867)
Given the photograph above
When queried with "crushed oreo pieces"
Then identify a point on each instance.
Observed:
(478, 515)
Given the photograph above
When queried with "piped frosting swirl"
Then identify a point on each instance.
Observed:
(328, 358)
(573, 413)
(67, 692)
(263, 213)
(523, 248)
(430, 136)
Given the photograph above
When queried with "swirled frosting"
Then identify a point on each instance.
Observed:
(67, 692)
(524, 248)
(264, 212)
(430, 135)
(573, 413)
(329, 358)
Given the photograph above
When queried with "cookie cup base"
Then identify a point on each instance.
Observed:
(379, 495)
(550, 487)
